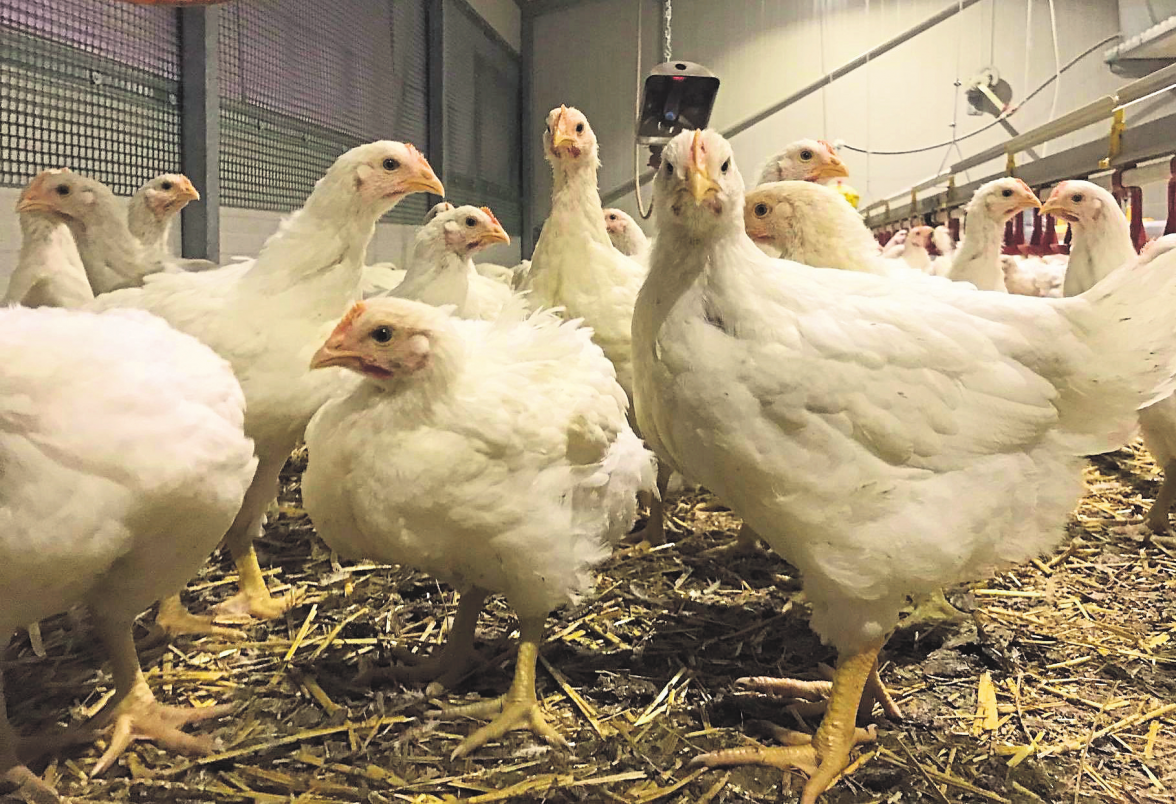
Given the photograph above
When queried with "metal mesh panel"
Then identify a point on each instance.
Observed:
(88, 84)
(301, 85)
(482, 137)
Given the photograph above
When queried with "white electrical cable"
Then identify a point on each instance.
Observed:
(825, 89)
(1053, 109)
(1028, 42)
(955, 103)
(867, 71)
(641, 210)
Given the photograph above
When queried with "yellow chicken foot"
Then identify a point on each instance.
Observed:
(932, 610)
(134, 712)
(444, 667)
(518, 708)
(1157, 516)
(255, 599)
(173, 619)
(815, 693)
(827, 754)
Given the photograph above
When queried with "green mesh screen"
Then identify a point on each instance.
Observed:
(88, 84)
(482, 136)
(301, 84)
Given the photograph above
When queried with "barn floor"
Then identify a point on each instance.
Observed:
(1058, 686)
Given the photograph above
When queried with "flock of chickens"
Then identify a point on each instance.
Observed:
(884, 428)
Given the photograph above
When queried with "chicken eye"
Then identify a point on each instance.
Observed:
(1007, 193)
(726, 166)
(470, 222)
(167, 185)
(63, 189)
(806, 154)
(382, 334)
(669, 169)
(612, 217)
(391, 164)
(579, 128)
(1076, 198)
(760, 210)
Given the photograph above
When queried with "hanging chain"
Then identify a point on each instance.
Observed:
(667, 14)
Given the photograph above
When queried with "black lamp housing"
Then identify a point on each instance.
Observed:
(677, 96)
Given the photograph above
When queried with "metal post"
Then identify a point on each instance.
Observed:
(200, 130)
(527, 135)
(435, 20)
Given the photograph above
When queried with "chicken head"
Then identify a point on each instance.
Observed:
(383, 339)
(804, 160)
(568, 135)
(1080, 202)
(470, 229)
(384, 172)
(699, 186)
(1004, 198)
(920, 236)
(168, 193)
(61, 194)
(780, 214)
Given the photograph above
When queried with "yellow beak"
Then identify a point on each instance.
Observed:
(425, 181)
(834, 169)
(189, 190)
(697, 176)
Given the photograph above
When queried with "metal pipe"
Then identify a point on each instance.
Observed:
(1093, 112)
(823, 81)
(200, 130)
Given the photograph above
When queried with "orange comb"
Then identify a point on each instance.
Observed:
(491, 214)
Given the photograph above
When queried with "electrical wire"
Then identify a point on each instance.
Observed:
(955, 103)
(641, 210)
(1003, 116)
(1053, 109)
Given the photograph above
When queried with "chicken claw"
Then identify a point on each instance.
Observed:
(825, 755)
(173, 620)
(811, 693)
(138, 716)
(518, 708)
(255, 599)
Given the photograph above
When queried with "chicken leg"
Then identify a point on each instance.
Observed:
(1157, 516)
(825, 755)
(173, 619)
(518, 708)
(254, 598)
(444, 667)
(133, 711)
(654, 531)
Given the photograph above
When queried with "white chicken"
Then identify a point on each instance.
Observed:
(126, 461)
(112, 256)
(442, 270)
(152, 209)
(811, 224)
(841, 414)
(49, 270)
(977, 260)
(915, 251)
(1100, 244)
(946, 246)
(626, 236)
(524, 470)
(268, 316)
(804, 160)
(575, 266)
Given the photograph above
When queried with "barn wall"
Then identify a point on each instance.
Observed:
(763, 50)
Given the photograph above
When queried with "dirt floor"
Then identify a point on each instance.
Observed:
(1058, 685)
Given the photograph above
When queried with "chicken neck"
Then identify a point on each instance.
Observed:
(576, 214)
(978, 258)
(436, 275)
(1097, 249)
(112, 257)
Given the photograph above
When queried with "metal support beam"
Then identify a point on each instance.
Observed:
(435, 22)
(527, 135)
(200, 130)
(820, 83)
